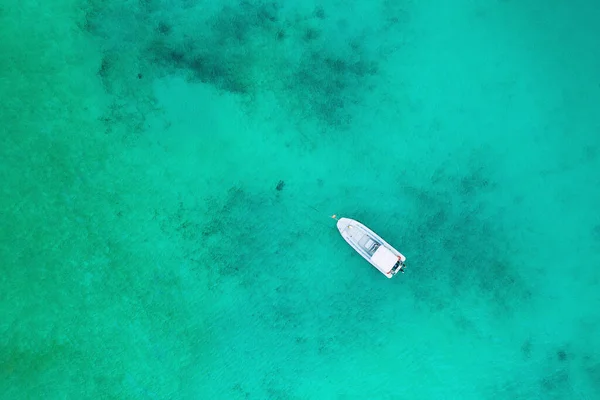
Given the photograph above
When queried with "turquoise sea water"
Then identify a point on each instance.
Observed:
(168, 170)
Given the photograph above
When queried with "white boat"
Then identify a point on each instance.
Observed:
(373, 248)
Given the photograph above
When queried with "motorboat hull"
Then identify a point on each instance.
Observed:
(371, 247)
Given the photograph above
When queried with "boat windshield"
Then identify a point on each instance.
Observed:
(369, 245)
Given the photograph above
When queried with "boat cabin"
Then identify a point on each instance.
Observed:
(386, 261)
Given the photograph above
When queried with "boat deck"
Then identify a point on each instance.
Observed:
(372, 247)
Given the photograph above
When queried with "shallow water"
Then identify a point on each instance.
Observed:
(169, 169)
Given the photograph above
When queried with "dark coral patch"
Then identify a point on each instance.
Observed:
(561, 355)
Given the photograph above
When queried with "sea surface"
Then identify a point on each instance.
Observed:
(169, 168)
